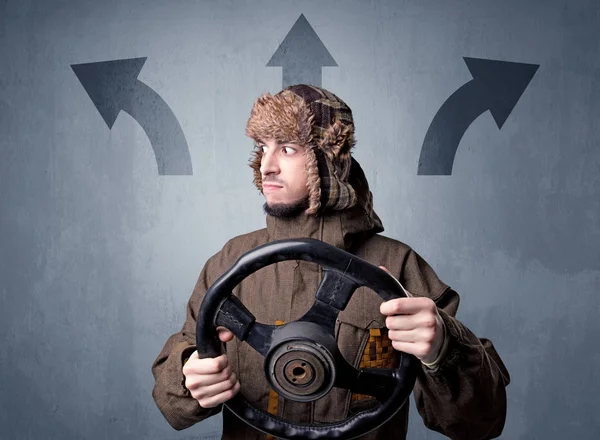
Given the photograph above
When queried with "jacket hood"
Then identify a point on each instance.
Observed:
(342, 228)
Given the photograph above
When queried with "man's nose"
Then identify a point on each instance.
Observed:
(269, 164)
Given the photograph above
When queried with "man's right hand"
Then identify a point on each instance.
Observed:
(211, 381)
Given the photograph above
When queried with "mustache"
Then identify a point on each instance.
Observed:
(272, 179)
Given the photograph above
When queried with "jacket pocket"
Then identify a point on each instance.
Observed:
(363, 341)
(355, 323)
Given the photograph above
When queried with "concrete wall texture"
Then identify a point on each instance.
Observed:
(477, 126)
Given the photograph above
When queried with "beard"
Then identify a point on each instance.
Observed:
(285, 210)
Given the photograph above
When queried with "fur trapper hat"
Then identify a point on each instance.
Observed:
(322, 123)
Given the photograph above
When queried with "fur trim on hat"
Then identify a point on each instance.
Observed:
(284, 117)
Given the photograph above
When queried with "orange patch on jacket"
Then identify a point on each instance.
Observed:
(378, 353)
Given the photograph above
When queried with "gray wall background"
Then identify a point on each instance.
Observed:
(99, 253)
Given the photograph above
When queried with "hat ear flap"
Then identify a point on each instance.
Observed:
(338, 139)
(255, 160)
(313, 181)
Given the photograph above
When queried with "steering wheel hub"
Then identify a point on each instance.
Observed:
(300, 370)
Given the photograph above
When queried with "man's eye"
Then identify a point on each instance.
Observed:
(289, 150)
(263, 148)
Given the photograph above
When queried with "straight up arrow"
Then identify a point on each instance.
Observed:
(301, 55)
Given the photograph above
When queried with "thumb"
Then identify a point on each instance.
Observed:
(224, 334)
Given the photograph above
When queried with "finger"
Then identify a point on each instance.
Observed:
(206, 366)
(224, 334)
(402, 322)
(406, 306)
(196, 381)
(417, 349)
(406, 335)
(422, 320)
(215, 389)
(211, 402)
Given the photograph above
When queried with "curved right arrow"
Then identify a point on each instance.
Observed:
(496, 86)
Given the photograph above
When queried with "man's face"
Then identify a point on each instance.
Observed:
(283, 172)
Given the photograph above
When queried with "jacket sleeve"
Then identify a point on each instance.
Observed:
(173, 399)
(464, 397)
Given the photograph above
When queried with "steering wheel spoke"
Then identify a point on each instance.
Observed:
(234, 316)
(376, 382)
(336, 289)
(323, 315)
(333, 294)
(260, 337)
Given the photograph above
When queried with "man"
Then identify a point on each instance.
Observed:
(314, 188)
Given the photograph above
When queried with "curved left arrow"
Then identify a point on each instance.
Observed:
(114, 86)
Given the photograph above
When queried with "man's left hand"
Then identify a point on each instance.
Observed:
(415, 326)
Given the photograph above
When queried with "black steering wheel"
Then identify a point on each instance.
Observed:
(302, 359)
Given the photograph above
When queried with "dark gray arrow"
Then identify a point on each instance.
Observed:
(496, 86)
(114, 86)
(301, 55)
